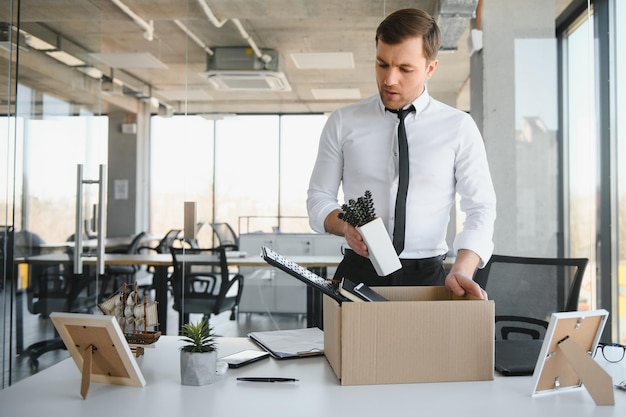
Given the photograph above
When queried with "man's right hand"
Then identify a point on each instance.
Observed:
(355, 240)
(334, 225)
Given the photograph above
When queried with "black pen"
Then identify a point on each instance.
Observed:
(267, 379)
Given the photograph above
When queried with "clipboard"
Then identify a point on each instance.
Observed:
(290, 344)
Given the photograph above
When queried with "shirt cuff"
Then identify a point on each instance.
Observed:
(475, 241)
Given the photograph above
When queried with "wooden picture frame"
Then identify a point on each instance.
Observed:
(566, 361)
(99, 349)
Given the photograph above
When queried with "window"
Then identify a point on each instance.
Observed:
(579, 116)
(181, 170)
(251, 171)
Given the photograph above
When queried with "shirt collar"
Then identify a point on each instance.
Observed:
(420, 104)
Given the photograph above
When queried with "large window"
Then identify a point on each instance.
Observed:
(579, 116)
(251, 171)
(298, 149)
(594, 96)
(181, 170)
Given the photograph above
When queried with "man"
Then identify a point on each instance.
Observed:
(359, 150)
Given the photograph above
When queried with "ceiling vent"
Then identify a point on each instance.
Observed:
(10, 39)
(247, 80)
(240, 69)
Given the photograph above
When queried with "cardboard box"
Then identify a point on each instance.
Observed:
(423, 334)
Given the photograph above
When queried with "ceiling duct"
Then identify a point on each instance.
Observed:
(240, 69)
(453, 17)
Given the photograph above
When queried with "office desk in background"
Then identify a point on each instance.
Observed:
(317, 393)
(120, 242)
(162, 262)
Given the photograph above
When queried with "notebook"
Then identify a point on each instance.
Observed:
(517, 357)
(286, 344)
(358, 292)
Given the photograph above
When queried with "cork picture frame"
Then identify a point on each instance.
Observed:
(98, 347)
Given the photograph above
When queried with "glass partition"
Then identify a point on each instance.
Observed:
(620, 71)
(44, 135)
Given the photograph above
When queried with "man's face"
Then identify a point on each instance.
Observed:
(402, 71)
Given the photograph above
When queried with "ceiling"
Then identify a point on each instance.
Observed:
(162, 64)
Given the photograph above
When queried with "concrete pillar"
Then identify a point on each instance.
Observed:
(128, 189)
(516, 112)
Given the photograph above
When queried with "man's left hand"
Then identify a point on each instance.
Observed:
(459, 280)
(459, 284)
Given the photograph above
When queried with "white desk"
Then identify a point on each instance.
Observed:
(318, 393)
(161, 262)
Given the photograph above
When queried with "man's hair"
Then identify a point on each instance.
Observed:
(407, 23)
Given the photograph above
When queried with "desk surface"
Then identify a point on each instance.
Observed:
(318, 392)
(166, 259)
(109, 242)
(163, 261)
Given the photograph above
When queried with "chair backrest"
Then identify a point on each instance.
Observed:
(56, 288)
(27, 243)
(168, 241)
(532, 288)
(6, 253)
(226, 236)
(204, 288)
(133, 247)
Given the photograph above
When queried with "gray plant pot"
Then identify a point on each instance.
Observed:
(197, 368)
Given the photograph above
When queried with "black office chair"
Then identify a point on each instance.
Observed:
(50, 289)
(170, 239)
(6, 255)
(204, 289)
(226, 236)
(528, 290)
(116, 275)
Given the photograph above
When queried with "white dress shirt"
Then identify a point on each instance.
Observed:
(359, 149)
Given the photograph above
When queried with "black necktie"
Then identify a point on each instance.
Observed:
(403, 180)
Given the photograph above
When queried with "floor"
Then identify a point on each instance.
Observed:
(37, 328)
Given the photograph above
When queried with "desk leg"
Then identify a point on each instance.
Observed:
(160, 286)
(314, 309)
(19, 321)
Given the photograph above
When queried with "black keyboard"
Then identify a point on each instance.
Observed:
(309, 278)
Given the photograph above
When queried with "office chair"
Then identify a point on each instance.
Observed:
(226, 236)
(6, 255)
(169, 240)
(204, 289)
(116, 275)
(527, 291)
(52, 288)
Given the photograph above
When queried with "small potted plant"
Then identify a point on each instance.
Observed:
(360, 213)
(198, 358)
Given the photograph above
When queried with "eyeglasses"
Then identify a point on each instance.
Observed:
(612, 352)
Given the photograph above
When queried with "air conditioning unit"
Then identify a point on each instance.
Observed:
(11, 41)
(247, 80)
(240, 69)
